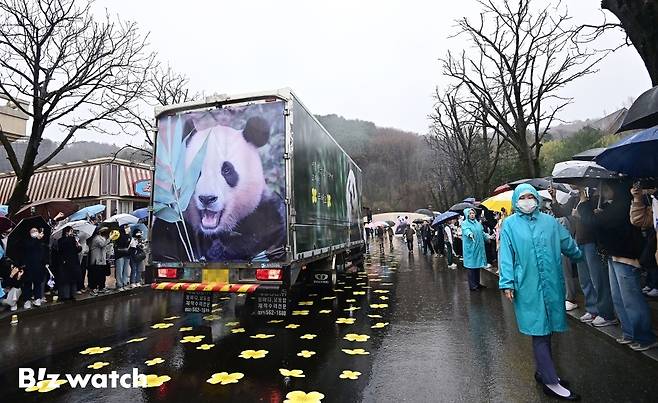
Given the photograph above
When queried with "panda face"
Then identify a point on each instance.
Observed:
(231, 182)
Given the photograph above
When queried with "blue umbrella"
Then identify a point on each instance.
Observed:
(4, 209)
(469, 200)
(635, 156)
(86, 212)
(141, 213)
(443, 217)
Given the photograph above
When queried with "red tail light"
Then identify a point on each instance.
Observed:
(269, 274)
(167, 273)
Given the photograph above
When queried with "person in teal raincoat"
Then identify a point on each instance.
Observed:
(475, 257)
(531, 243)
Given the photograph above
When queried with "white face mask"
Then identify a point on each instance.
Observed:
(527, 206)
(34, 234)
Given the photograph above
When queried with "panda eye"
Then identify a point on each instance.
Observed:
(229, 174)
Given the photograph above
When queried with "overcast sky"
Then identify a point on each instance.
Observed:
(365, 59)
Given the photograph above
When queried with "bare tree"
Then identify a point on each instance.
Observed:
(523, 57)
(78, 72)
(163, 86)
(460, 132)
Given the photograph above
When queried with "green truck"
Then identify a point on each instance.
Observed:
(251, 194)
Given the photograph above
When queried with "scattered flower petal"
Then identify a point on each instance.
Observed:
(352, 308)
(323, 311)
(153, 381)
(211, 317)
(359, 293)
(95, 350)
(306, 353)
(171, 318)
(356, 351)
(328, 298)
(347, 374)
(224, 378)
(378, 306)
(375, 316)
(345, 321)
(294, 373)
(300, 313)
(356, 337)
(232, 323)
(383, 298)
(379, 325)
(238, 330)
(299, 396)
(261, 336)
(255, 354)
(309, 336)
(382, 291)
(306, 303)
(162, 325)
(275, 321)
(46, 386)
(137, 340)
(185, 329)
(205, 347)
(350, 300)
(292, 326)
(98, 365)
(192, 339)
(156, 360)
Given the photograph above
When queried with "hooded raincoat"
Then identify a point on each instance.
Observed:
(531, 264)
(475, 256)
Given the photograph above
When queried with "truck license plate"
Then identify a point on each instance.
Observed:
(197, 302)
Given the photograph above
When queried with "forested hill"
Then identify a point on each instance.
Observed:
(390, 160)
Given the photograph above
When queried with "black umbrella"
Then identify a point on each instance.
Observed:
(419, 221)
(21, 233)
(589, 155)
(424, 211)
(539, 184)
(643, 113)
(462, 206)
(584, 174)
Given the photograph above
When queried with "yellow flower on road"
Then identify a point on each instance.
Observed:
(383, 297)
(328, 298)
(137, 340)
(205, 347)
(306, 353)
(352, 308)
(338, 290)
(356, 351)
(347, 374)
(302, 312)
(356, 337)
(275, 321)
(375, 316)
(95, 350)
(162, 325)
(98, 365)
(261, 336)
(238, 330)
(192, 339)
(382, 291)
(156, 360)
(294, 373)
(255, 354)
(359, 293)
(171, 318)
(292, 326)
(153, 381)
(348, 287)
(309, 336)
(379, 325)
(325, 311)
(224, 378)
(345, 321)
(306, 303)
(350, 300)
(232, 323)
(211, 317)
(185, 329)
(378, 306)
(46, 386)
(299, 396)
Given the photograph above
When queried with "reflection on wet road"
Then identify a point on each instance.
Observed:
(407, 329)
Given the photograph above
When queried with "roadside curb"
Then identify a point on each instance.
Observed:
(5, 316)
(611, 332)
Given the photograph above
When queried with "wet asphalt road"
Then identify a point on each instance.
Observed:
(438, 342)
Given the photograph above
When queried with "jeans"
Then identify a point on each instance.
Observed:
(473, 279)
(595, 282)
(134, 270)
(121, 273)
(630, 304)
(541, 347)
(569, 280)
(652, 278)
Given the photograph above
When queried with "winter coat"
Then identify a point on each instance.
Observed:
(35, 259)
(69, 262)
(475, 256)
(530, 263)
(97, 251)
(122, 246)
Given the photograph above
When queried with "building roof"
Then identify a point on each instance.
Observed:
(80, 179)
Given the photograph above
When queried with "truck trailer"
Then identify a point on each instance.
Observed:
(252, 195)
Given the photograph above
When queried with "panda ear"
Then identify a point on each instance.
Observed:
(256, 131)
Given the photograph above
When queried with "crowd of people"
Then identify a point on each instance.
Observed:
(64, 267)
